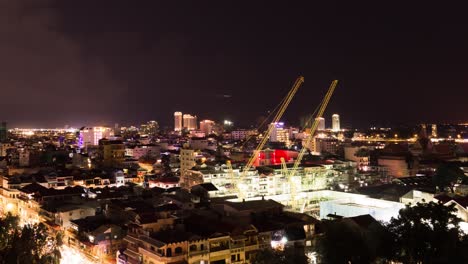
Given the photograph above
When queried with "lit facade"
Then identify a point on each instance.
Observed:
(254, 184)
(190, 122)
(434, 131)
(280, 134)
(90, 136)
(241, 134)
(321, 123)
(335, 122)
(178, 121)
(206, 126)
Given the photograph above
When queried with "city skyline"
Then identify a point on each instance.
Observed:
(127, 64)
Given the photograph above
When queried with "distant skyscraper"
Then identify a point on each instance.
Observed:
(178, 121)
(206, 126)
(3, 131)
(434, 130)
(321, 123)
(335, 122)
(190, 122)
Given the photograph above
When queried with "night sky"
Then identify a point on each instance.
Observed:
(101, 62)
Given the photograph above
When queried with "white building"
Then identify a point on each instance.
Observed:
(178, 121)
(67, 213)
(335, 122)
(351, 205)
(321, 123)
(90, 136)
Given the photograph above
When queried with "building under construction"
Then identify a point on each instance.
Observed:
(285, 179)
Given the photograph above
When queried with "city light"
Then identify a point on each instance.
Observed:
(73, 256)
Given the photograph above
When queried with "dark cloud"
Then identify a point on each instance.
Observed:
(45, 78)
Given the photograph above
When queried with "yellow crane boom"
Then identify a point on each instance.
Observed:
(283, 106)
(313, 128)
(276, 119)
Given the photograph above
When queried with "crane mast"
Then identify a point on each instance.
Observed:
(313, 128)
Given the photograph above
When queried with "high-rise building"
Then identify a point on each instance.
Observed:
(434, 130)
(321, 123)
(178, 121)
(207, 126)
(190, 122)
(280, 134)
(3, 132)
(92, 135)
(335, 122)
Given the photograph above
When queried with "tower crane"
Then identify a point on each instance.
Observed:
(313, 128)
(284, 105)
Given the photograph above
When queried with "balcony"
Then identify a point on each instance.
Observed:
(198, 252)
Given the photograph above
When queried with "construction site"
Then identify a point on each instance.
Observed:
(291, 183)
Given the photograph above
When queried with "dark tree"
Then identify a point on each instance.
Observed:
(343, 242)
(362, 152)
(428, 233)
(27, 244)
(447, 175)
(269, 256)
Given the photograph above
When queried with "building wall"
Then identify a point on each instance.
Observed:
(397, 167)
(354, 206)
(63, 218)
(140, 151)
(335, 122)
(202, 144)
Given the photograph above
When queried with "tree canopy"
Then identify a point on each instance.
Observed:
(362, 152)
(447, 175)
(428, 233)
(27, 244)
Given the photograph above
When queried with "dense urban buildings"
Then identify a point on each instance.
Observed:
(139, 194)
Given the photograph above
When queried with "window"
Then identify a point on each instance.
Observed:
(193, 247)
(178, 250)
